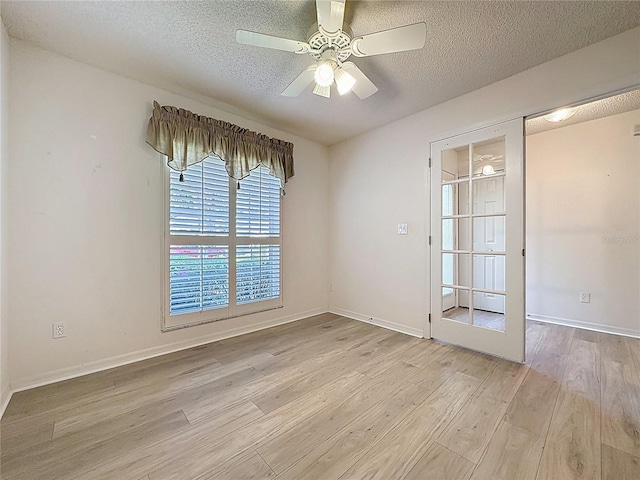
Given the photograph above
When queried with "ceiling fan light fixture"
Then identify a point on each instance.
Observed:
(322, 90)
(344, 81)
(560, 115)
(324, 74)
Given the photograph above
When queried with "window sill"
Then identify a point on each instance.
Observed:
(172, 328)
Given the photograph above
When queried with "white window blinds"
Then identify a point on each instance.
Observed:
(200, 204)
(258, 205)
(219, 268)
(199, 277)
(258, 273)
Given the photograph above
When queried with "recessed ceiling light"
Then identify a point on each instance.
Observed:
(560, 115)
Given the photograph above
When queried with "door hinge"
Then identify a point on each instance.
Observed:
(429, 239)
(429, 162)
(429, 318)
(523, 252)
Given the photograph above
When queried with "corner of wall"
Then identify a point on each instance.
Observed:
(5, 390)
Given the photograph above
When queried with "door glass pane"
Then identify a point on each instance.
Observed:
(455, 163)
(463, 198)
(488, 157)
(456, 269)
(489, 234)
(455, 199)
(455, 234)
(448, 234)
(488, 310)
(449, 194)
(463, 233)
(488, 195)
(451, 308)
(463, 272)
(489, 272)
(448, 268)
(462, 161)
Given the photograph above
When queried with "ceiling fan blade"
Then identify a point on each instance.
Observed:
(363, 87)
(323, 91)
(330, 14)
(409, 37)
(301, 82)
(268, 41)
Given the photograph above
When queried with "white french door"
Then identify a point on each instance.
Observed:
(477, 227)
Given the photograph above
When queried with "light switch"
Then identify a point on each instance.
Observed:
(402, 229)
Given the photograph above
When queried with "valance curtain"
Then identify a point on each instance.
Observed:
(187, 138)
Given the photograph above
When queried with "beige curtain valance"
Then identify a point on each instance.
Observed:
(187, 138)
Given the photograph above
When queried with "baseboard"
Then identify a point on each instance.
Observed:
(596, 327)
(396, 327)
(6, 397)
(119, 360)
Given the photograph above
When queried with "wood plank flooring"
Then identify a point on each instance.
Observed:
(330, 398)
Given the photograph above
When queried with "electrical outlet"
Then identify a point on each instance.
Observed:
(585, 297)
(59, 330)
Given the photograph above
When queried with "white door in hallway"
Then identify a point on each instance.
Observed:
(489, 237)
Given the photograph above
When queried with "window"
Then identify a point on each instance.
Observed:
(223, 244)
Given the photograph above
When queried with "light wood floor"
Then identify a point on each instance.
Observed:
(331, 398)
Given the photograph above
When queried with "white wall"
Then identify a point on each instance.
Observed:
(583, 224)
(378, 179)
(4, 147)
(86, 222)
(377, 183)
(84, 214)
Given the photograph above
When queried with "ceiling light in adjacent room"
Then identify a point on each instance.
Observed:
(560, 115)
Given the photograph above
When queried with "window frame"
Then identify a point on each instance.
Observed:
(233, 310)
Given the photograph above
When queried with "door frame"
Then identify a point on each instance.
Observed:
(518, 291)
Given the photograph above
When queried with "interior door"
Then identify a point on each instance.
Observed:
(477, 294)
(489, 270)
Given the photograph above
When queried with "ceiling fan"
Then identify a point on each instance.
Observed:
(330, 44)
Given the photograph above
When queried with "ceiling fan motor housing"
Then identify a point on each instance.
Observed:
(320, 41)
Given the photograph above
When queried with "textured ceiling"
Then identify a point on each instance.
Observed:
(189, 47)
(625, 102)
